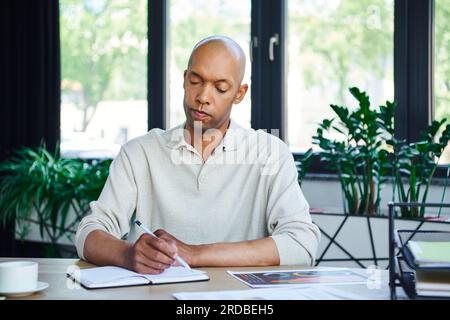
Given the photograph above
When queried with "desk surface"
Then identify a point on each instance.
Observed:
(53, 271)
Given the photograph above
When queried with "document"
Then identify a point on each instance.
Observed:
(283, 293)
(289, 278)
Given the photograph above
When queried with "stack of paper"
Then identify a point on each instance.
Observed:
(433, 283)
(435, 257)
(430, 254)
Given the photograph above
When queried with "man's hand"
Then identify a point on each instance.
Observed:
(151, 255)
(185, 251)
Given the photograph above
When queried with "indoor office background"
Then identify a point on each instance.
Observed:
(86, 76)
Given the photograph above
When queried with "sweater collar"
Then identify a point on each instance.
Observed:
(175, 137)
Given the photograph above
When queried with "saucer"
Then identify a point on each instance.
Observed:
(40, 286)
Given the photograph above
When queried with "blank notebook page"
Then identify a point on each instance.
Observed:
(176, 274)
(115, 276)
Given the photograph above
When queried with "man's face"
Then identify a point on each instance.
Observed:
(211, 87)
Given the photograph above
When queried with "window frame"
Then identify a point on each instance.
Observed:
(413, 75)
(413, 66)
(157, 63)
(405, 42)
(268, 77)
(413, 69)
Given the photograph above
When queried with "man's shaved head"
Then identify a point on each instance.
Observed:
(213, 83)
(222, 43)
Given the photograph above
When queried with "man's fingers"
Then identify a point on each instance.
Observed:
(144, 268)
(164, 235)
(156, 265)
(155, 261)
(162, 245)
(153, 255)
(156, 249)
(161, 234)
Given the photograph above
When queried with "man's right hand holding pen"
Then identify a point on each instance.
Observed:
(152, 254)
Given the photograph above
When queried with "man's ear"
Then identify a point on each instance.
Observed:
(241, 93)
(184, 78)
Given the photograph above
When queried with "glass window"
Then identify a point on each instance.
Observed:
(442, 67)
(334, 45)
(104, 75)
(193, 20)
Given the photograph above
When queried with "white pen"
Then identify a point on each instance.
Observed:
(179, 259)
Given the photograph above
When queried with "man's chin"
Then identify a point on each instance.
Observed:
(204, 124)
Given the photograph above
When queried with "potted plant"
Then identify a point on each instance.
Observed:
(360, 147)
(48, 191)
(356, 156)
(416, 164)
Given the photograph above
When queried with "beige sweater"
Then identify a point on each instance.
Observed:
(247, 189)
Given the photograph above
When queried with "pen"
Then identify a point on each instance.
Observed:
(179, 259)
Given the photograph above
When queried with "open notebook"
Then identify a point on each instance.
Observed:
(107, 277)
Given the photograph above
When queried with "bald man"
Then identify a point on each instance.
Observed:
(216, 194)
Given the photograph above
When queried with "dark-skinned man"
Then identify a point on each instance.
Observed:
(216, 194)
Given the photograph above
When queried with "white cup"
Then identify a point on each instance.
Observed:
(18, 276)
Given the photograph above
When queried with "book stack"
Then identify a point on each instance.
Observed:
(432, 259)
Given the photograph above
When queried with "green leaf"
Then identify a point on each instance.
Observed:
(36, 179)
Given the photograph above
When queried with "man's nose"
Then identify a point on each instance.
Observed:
(204, 96)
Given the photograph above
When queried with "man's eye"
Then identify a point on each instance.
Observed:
(221, 91)
(193, 82)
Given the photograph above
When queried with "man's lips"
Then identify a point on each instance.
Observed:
(199, 114)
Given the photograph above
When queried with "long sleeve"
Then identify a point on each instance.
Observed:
(177, 197)
(113, 210)
(289, 221)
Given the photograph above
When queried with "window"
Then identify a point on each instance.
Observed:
(332, 46)
(442, 66)
(193, 20)
(104, 75)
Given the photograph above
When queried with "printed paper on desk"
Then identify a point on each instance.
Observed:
(283, 293)
(289, 278)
